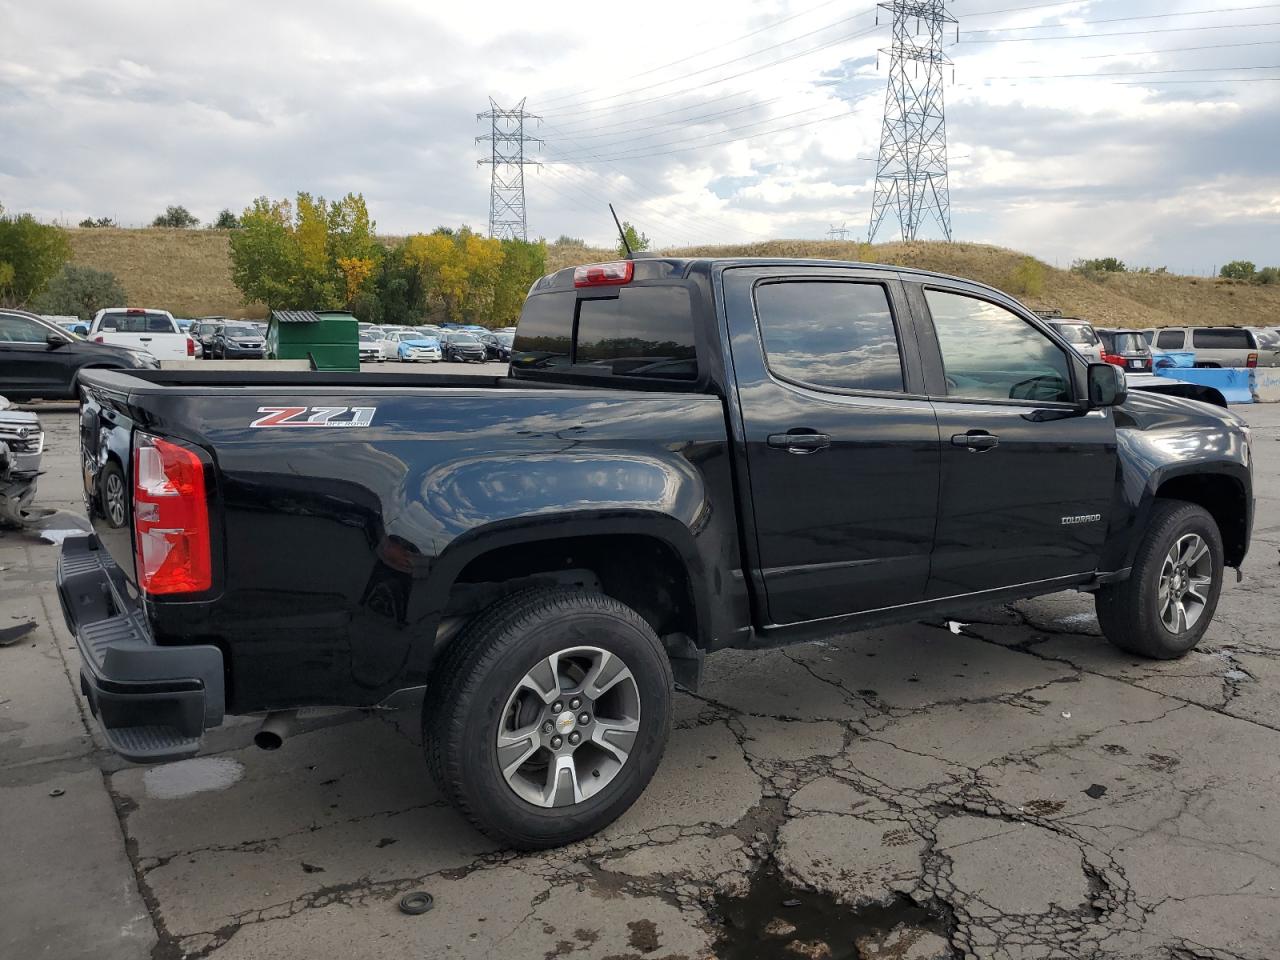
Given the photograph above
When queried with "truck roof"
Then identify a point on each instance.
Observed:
(673, 268)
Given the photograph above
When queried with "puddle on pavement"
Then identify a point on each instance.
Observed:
(172, 781)
(750, 924)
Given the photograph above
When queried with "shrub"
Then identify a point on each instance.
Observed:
(226, 220)
(1099, 265)
(1238, 270)
(1269, 275)
(100, 222)
(82, 291)
(1027, 279)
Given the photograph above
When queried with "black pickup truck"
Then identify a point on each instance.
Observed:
(684, 455)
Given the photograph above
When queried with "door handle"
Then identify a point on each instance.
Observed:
(800, 441)
(975, 441)
(145, 339)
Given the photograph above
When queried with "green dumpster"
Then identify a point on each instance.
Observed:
(330, 339)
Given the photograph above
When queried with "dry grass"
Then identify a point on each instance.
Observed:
(189, 272)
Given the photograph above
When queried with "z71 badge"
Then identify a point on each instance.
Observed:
(314, 417)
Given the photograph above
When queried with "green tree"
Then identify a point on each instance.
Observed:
(178, 216)
(226, 220)
(1269, 275)
(522, 263)
(1238, 270)
(31, 253)
(99, 222)
(306, 255)
(82, 291)
(635, 239)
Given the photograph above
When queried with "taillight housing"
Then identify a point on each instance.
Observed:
(1114, 358)
(191, 347)
(1251, 360)
(170, 518)
(612, 274)
(99, 339)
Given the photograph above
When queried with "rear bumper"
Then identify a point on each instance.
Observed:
(153, 703)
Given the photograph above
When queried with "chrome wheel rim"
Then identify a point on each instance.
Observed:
(568, 727)
(1186, 579)
(115, 499)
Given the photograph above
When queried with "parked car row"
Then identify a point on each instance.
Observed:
(432, 343)
(1137, 350)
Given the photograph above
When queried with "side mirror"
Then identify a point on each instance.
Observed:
(1107, 386)
(54, 341)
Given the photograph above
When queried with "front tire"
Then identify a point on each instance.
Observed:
(1168, 602)
(524, 772)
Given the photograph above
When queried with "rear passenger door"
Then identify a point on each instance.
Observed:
(1027, 478)
(841, 445)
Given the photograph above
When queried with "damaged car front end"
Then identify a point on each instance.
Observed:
(21, 447)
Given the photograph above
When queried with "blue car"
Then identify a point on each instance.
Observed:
(414, 347)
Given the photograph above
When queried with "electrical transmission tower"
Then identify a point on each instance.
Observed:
(507, 218)
(911, 172)
(838, 233)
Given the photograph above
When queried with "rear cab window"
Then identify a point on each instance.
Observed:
(137, 321)
(1078, 333)
(640, 331)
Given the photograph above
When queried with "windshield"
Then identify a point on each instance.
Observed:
(1268, 338)
(365, 338)
(463, 338)
(241, 330)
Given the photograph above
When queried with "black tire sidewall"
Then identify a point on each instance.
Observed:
(488, 794)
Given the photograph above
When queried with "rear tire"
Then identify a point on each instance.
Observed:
(113, 495)
(1168, 602)
(501, 753)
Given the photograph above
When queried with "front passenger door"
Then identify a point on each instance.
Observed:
(28, 364)
(1027, 478)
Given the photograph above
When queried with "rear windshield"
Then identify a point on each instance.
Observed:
(636, 331)
(1129, 343)
(148, 322)
(1078, 333)
(1222, 338)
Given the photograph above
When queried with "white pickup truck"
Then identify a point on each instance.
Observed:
(152, 330)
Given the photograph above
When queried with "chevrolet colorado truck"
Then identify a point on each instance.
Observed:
(684, 455)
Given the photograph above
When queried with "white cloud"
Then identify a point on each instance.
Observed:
(119, 109)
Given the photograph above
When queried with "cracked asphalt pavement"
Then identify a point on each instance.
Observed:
(1033, 791)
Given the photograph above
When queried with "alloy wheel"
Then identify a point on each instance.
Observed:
(1186, 581)
(568, 727)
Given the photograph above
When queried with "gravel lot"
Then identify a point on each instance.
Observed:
(1019, 789)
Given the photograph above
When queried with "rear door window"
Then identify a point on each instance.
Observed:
(830, 334)
(1170, 340)
(545, 332)
(1222, 338)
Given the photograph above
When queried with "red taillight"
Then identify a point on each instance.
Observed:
(1113, 358)
(191, 347)
(170, 518)
(134, 310)
(1251, 360)
(613, 274)
(99, 339)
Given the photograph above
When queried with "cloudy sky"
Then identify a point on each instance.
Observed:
(1135, 128)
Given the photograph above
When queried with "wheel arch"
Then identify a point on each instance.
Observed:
(646, 560)
(1223, 496)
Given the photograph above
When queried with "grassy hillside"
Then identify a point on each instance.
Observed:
(188, 272)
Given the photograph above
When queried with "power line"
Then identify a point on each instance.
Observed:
(1140, 53)
(1034, 6)
(742, 73)
(720, 46)
(1150, 16)
(724, 63)
(1126, 33)
(1127, 73)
